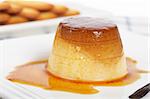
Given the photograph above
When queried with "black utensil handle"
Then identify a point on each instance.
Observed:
(140, 92)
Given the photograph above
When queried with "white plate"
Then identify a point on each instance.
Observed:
(47, 26)
(18, 51)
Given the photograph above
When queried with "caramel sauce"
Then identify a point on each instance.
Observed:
(34, 73)
(87, 30)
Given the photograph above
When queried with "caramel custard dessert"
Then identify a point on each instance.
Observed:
(87, 52)
(87, 49)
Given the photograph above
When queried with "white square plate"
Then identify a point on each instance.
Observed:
(21, 50)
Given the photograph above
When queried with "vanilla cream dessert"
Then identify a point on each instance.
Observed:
(87, 49)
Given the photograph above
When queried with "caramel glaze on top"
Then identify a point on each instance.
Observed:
(88, 30)
(98, 37)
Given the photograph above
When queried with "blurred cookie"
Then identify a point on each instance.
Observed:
(71, 12)
(16, 19)
(29, 13)
(4, 17)
(59, 9)
(14, 9)
(41, 6)
(4, 6)
(46, 15)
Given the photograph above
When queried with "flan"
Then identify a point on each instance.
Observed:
(87, 49)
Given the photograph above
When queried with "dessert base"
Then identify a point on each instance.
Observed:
(74, 62)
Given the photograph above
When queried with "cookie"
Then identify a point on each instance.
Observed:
(14, 9)
(41, 6)
(16, 19)
(29, 13)
(4, 6)
(59, 9)
(4, 17)
(46, 15)
(71, 12)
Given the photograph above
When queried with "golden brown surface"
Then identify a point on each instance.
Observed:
(59, 9)
(4, 6)
(32, 11)
(86, 49)
(41, 6)
(29, 13)
(4, 18)
(71, 12)
(16, 19)
(46, 15)
(14, 9)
